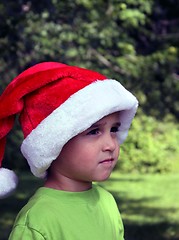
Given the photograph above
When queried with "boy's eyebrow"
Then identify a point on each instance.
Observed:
(95, 125)
(118, 124)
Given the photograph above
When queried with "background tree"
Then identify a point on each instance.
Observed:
(135, 41)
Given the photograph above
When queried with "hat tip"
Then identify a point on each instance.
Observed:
(8, 182)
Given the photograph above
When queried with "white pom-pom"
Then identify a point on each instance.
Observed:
(8, 182)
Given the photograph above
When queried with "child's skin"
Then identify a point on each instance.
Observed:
(89, 156)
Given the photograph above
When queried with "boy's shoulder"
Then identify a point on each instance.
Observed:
(35, 206)
(102, 190)
(105, 196)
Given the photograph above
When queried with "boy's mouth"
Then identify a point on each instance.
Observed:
(107, 161)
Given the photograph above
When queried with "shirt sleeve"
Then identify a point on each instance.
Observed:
(25, 232)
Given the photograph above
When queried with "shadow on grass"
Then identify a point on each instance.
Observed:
(145, 214)
(160, 231)
(149, 223)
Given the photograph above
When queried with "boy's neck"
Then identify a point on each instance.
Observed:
(64, 183)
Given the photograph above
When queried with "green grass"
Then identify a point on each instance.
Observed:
(149, 204)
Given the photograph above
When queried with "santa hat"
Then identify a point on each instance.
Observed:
(55, 102)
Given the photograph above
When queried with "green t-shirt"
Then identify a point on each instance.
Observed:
(59, 215)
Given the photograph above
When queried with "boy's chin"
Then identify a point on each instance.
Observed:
(102, 178)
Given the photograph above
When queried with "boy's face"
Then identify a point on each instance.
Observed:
(91, 155)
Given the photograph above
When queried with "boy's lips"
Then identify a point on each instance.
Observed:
(107, 161)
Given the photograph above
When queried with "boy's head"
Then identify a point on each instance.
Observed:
(56, 102)
(87, 157)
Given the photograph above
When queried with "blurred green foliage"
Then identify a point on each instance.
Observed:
(133, 41)
(152, 147)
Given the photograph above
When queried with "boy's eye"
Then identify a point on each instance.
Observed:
(115, 129)
(93, 131)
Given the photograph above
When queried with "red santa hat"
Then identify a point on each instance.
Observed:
(55, 102)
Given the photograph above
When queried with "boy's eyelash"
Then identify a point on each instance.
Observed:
(115, 129)
(93, 131)
(97, 130)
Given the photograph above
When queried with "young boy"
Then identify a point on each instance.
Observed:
(74, 121)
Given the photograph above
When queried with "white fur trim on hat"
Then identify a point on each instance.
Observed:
(75, 115)
(8, 180)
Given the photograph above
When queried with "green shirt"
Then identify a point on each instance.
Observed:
(59, 215)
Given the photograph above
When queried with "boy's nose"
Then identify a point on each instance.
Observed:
(109, 143)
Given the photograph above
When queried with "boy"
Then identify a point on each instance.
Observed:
(73, 121)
